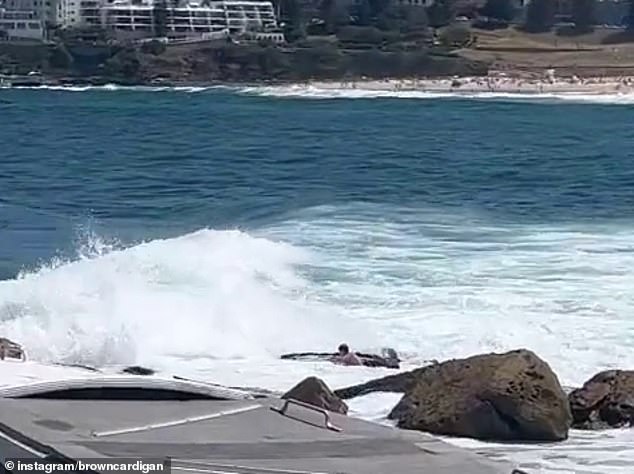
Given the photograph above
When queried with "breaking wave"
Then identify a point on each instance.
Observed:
(210, 294)
(359, 92)
(307, 91)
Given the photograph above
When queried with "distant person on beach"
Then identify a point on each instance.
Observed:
(345, 357)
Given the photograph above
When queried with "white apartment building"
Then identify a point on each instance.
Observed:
(52, 12)
(193, 17)
(21, 25)
(141, 18)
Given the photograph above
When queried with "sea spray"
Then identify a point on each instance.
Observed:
(216, 294)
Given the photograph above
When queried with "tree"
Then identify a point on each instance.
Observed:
(630, 17)
(499, 9)
(291, 13)
(377, 7)
(334, 14)
(584, 14)
(416, 20)
(160, 18)
(404, 19)
(367, 11)
(540, 16)
(441, 13)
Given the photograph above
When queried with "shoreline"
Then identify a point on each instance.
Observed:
(493, 84)
(500, 84)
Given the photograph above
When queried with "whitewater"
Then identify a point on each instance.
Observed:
(378, 90)
(222, 305)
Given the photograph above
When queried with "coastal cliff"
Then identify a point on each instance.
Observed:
(227, 62)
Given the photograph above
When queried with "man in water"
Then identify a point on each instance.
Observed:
(345, 357)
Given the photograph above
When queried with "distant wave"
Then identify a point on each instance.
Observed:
(314, 92)
(301, 91)
(118, 88)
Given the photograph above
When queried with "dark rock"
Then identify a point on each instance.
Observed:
(604, 401)
(137, 370)
(80, 366)
(314, 391)
(510, 396)
(392, 383)
(11, 350)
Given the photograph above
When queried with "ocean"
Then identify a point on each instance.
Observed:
(205, 231)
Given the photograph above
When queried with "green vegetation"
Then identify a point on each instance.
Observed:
(503, 10)
(584, 15)
(540, 16)
(456, 37)
(160, 18)
(442, 13)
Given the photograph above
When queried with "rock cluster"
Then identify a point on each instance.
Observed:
(514, 396)
(604, 401)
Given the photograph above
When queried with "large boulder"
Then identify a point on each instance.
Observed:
(512, 396)
(314, 391)
(604, 401)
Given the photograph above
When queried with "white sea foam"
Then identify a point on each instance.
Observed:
(308, 91)
(222, 305)
(119, 88)
(215, 294)
(317, 92)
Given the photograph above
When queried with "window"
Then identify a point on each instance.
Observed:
(34, 26)
(21, 26)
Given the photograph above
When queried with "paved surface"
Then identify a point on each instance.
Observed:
(226, 437)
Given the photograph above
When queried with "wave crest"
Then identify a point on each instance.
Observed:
(217, 294)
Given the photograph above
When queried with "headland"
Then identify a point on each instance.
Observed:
(412, 45)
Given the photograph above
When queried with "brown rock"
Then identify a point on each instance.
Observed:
(511, 396)
(604, 401)
(11, 350)
(315, 391)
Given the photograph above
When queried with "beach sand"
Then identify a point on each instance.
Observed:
(494, 83)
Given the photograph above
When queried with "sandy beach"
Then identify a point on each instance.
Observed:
(494, 83)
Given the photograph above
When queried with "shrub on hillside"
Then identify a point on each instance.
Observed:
(490, 24)
(456, 37)
(153, 47)
(365, 35)
(503, 10)
(540, 16)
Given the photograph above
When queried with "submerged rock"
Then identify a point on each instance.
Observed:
(604, 401)
(399, 383)
(513, 396)
(314, 391)
(138, 370)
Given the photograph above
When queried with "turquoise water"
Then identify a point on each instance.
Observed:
(207, 232)
(143, 164)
